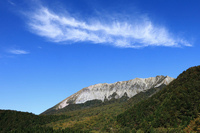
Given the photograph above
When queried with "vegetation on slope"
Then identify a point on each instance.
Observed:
(23, 122)
(174, 106)
(100, 116)
(194, 126)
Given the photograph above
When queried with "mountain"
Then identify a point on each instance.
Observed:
(172, 107)
(162, 108)
(106, 92)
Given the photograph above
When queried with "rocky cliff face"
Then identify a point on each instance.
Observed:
(118, 89)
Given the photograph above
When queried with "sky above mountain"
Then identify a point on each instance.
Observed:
(51, 49)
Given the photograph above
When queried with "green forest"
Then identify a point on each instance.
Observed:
(171, 108)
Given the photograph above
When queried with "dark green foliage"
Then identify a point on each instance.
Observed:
(173, 106)
(142, 96)
(15, 121)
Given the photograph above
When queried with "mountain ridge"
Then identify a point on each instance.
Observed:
(105, 91)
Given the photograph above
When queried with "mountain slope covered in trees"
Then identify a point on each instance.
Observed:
(24, 122)
(172, 107)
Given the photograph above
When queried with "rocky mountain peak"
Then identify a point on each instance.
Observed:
(104, 91)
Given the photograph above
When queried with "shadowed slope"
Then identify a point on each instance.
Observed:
(175, 105)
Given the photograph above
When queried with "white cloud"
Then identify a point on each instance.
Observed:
(60, 28)
(17, 51)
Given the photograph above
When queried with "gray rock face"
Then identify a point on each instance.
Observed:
(105, 91)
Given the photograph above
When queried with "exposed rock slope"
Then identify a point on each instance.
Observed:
(118, 89)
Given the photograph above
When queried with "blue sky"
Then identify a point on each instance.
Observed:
(51, 49)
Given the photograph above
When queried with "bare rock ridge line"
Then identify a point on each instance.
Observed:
(104, 91)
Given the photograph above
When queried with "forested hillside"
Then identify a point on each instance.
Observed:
(23, 122)
(172, 107)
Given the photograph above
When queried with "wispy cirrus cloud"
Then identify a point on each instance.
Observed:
(17, 51)
(12, 3)
(65, 28)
